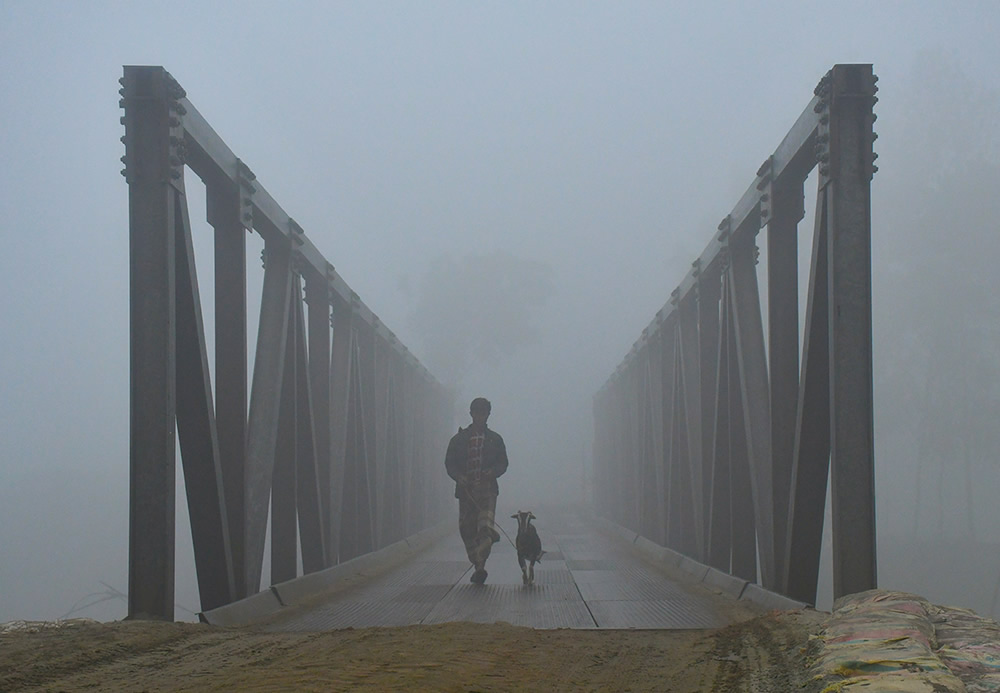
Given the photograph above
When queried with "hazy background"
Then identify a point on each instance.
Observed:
(515, 189)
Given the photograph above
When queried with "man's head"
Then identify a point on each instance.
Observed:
(480, 410)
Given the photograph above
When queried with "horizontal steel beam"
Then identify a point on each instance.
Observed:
(794, 153)
(209, 156)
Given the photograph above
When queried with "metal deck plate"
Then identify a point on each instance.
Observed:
(590, 565)
(623, 590)
(653, 614)
(553, 574)
(585, 580)
(512, 604)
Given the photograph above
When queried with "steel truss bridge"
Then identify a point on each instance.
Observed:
(714, 439)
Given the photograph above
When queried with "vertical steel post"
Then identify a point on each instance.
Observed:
(597, 458)
(691, 372)
(656, 425)
(607, 410)
(785, 211)
(284, 549)
(648, 447)
(622, 459)
(709, 288)
(603, 405)
(380, 406)
(223, 211)
(406, 438)
(612, 463)
(394, 455)
(340, 383)
(852, 91)
(668, 345)
(720, 507)
(679, 506)
(308, 488)
(632, 413)
(624, 456)
(441, 412)
(392, 468)
(151, 342)
(743, 529)
(353, 458)
(418, 463)
(318, 299)
(360, 488)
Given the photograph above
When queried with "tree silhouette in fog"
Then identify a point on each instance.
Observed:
(478, 308)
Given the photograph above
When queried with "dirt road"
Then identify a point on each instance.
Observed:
(761, 654)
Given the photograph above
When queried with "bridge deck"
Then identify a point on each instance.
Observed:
(587, 579)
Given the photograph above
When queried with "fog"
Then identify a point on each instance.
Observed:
(514, 189)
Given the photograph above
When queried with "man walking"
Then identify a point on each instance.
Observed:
(476, 457)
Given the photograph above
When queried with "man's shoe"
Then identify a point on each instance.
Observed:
(478, 576)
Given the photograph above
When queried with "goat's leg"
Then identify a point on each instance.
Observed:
(524, 570)
(531, 573)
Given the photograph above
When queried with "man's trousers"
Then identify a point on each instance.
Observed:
(476, 517)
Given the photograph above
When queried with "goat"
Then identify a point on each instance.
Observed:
(528, 545)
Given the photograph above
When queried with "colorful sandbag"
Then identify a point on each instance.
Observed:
(882, 641)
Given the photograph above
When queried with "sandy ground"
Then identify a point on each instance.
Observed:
(761, 654)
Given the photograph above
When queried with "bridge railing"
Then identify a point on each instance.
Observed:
(340, 432)
(715, 439)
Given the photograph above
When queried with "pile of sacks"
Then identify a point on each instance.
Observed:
(970, 645)
(900, 643)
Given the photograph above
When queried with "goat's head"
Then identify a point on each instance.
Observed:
(524, 518)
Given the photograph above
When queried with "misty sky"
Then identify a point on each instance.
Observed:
(595, 144)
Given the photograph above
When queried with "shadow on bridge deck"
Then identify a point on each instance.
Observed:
(587, 579)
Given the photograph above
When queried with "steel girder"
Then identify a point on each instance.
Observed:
(223, 212)
(325, 441)
(751, 428)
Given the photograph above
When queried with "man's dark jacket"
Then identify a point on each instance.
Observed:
(494, 461)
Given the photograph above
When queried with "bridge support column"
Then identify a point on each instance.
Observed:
(318, 298)
(284, 550)
(340, 388)
(709, 288)
(223, 206)
(852, 90)
(152, 313)
(786, 209)
(309, 497)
